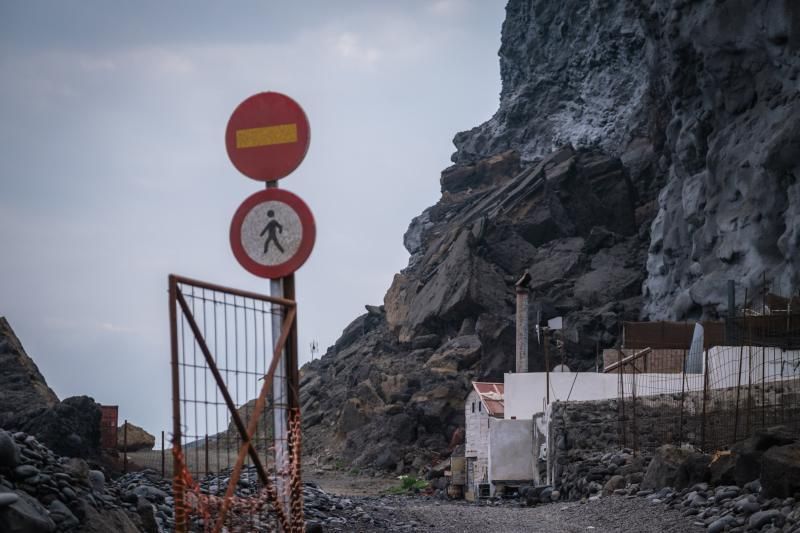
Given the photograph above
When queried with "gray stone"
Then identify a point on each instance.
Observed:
(748, 507)
(25, 515)
(780, 471)
(9, 453)
(664, 469)
(77, 468)
(614, 483)
(425, 341)
(719, 525)
(7, 498)
(150, 493)
(25, 471)
(62, 516)
(762, 518)
(97, 480)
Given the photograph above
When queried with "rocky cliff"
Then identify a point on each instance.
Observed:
(70, 427)
(643, 153)
(22, 386)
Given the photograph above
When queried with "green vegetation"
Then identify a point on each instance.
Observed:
(408, 484)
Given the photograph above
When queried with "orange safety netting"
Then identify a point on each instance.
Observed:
(196, 510)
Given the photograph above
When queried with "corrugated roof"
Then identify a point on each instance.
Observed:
(491, 395)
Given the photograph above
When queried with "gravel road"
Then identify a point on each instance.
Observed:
(612, 514)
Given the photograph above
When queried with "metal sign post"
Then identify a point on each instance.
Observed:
(272, 234)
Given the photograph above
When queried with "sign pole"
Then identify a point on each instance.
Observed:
(280, 397)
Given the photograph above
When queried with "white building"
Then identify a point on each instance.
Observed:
(483, 405)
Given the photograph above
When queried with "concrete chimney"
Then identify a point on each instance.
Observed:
(523, 292)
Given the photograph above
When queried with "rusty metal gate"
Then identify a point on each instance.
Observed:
(223, 363)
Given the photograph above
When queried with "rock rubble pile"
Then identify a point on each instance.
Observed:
(43, 492)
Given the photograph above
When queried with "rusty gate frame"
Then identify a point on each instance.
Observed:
(176, 298)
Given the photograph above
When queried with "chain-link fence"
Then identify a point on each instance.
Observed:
(730, 379)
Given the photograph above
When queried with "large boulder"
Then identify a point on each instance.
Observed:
(131, 438)
(665, 467)
(23, 389)
(780, 471)
(9, 452)
(71, 428)
(749, 452)
(109, 520)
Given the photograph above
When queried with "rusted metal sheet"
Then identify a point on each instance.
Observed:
(670, 335)
(491, 395)
(781, 330)
(108, 426)
(458, 471)
(659, 361)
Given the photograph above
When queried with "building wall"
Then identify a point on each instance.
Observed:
(525, 394)
(476, 443)
(511, 453)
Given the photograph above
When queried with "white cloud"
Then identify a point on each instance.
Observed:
(447, 8)
(349, 46)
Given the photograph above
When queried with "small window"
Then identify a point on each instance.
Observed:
(479, 406)
(473, 407)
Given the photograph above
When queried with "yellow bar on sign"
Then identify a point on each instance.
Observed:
(266, 136)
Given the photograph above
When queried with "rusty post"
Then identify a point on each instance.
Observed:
(546, 363)
(738, 393)
(633, 414)
(622, 402)
(125, 447)
(163, 457)
(177, 482)
(523, 292)
(293, 385)
(207, 455)
(705, 401)
(683, 397)
(597, 357)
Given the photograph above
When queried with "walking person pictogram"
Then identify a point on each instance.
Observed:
(271, 228)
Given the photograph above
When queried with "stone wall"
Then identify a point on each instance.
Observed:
(590, 442)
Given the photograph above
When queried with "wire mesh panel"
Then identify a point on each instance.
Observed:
(224, 359)
(237, 332)
(717, 392)
(755, 385)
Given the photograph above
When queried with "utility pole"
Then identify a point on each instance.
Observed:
(523, 292)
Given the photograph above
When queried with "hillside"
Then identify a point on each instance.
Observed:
(643, 153)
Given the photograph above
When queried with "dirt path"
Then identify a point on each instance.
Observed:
(607, 515)
(342, 484)
(614, 514)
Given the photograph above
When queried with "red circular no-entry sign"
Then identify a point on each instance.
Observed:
(267, 136)
(272, 233)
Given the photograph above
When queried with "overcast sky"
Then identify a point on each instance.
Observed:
(113, 169)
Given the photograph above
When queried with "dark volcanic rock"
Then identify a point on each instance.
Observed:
(665, 468)
(25, 515)
(700, 102)
(22, 386)
(780, 471)
(70, 428)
